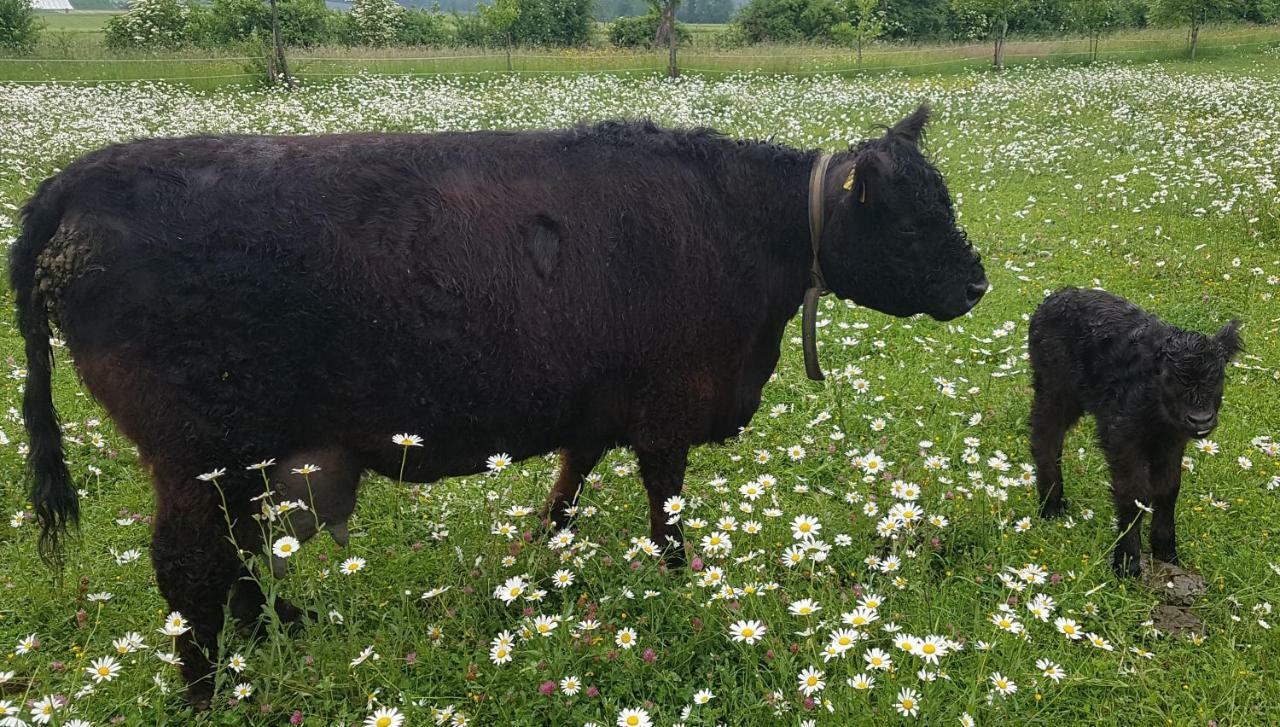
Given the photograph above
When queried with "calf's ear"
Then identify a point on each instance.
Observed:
(1229, 340)
(911, 128)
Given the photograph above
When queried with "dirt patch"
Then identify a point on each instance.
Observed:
(1174, 585)
(1176, 620)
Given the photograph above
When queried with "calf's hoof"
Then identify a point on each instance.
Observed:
(1166, 556)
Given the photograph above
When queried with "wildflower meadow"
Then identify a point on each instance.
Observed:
(867, 551)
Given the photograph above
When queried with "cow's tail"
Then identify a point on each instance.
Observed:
(52, 493)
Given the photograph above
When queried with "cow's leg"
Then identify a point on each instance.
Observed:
(196, 566)
(1130, 485)
(1166, 480)
(662, 470)
(247, 600)
(575, 464)
(1053, 412)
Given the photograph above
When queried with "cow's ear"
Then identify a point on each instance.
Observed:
(1228, 339)
(867, 177)
(911, 128)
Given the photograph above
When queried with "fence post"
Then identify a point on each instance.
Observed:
(673, 70)
(281, 66)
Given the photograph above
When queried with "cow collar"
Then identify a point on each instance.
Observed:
(817, 284)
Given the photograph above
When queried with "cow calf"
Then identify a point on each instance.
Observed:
(1151, 386)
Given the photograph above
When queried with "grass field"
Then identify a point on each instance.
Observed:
(76, 55)
(78, 21)
(1157, 182)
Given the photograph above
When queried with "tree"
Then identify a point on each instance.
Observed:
(999, 13)
(501, 16)
(1189, 12)
(18, 26)
(638, 31)
(374, 22)
(705, 11)
(787, 21)
(1094, 16)
(552, 22)
(666, 32)
(149, 24)
(866, 21)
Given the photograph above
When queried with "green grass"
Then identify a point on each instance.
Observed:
(75, 56)
(78, 21)
(1156, 182)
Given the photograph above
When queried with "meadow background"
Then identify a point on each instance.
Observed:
(1156, 181)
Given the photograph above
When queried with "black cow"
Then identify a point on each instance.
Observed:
(1151, 386)
(233, 298)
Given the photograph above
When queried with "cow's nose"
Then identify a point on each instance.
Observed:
(975, 291)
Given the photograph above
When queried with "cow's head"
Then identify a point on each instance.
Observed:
(1192, 369)
(892, 242)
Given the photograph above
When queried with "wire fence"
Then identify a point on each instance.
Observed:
(216, 70)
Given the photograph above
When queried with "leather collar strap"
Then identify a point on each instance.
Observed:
(817, 284)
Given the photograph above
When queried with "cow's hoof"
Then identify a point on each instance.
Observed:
(1056, 508)
(199, 695)
(674, 559)
(1126, 566)
(1170, 557)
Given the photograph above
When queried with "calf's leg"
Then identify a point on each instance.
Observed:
(1166, 480)
(1053, 412)
(575, 464)
(1130, 485)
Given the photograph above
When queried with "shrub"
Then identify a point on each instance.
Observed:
(788, 21)
(226, 22)
(374, 22)
(424, 27)
(473, 29)
(552, 22)
(638, 31)
(149, 24)
(18, 27)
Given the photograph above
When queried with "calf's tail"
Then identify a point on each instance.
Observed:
(52, 493)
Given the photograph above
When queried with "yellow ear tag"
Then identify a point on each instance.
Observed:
(848, 182)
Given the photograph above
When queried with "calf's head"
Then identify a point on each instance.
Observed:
(892, 242)
(1192, 368)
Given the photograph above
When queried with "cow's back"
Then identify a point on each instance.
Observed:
(528, 283)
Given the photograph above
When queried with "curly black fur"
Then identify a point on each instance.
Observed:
(234, 298)
(1151, 387)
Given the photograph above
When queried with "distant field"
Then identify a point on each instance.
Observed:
(77, 55)
(78, 21)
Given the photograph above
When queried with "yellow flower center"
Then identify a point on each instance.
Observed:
(384, 721)
(633, 720)
(908, 703)
(748, 632)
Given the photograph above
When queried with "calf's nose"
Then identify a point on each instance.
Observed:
(975, 291)
(1201, 421)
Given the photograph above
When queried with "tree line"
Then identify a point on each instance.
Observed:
(167, 24)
